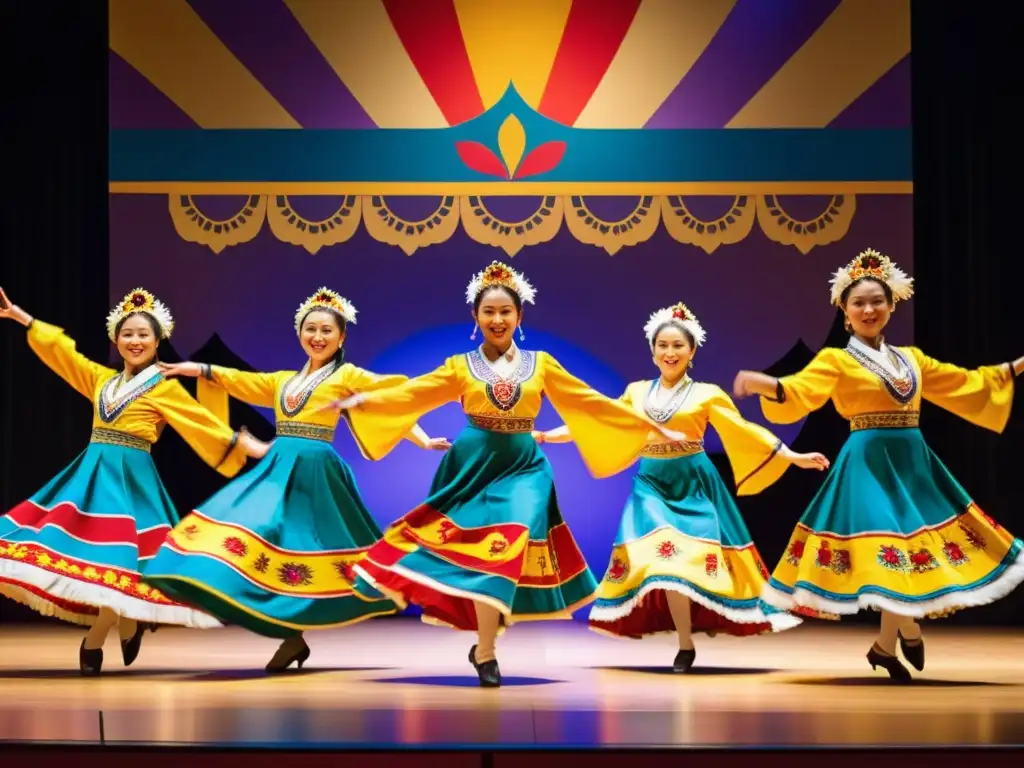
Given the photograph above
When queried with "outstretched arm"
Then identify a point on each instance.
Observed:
(217, 383)
(57, 350)
(358, 379)
(758, 458)
(983, 396)
(609, 434)
(791, 398)
(214, 441)
(381, 418)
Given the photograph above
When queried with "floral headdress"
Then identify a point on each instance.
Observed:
(678, 315)
(140, 300)
(503, 275)
(871, 263)
(325, 298)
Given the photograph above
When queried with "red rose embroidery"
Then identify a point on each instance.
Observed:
(711, 565)
(666, 550)
(824, 555)
(295, 574)
(617, 570)
(235, 546)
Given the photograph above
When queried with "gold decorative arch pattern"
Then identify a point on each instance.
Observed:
(733, 225)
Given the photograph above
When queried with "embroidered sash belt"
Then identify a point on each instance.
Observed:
(672, 450)
(886, 420)
(309, 431)
(123, 439)
(505, 424)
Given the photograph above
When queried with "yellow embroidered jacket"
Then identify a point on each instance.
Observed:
(752, 450)
(609, 434)
(135, 412)
(296, 397)
(867, 394)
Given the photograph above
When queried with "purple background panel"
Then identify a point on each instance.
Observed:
(273, 46)
(886, 104)
(757, 38)
(137, 104)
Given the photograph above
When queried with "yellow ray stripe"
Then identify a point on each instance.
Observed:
(664, 41)
(359, 42)
(167, 42)
(856, 45)
(512, 41)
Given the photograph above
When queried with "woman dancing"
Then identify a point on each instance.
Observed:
(891, 529)
(74, 550)
(683, 559)
(489, 545)
(273, 550)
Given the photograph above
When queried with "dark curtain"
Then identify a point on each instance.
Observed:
(968, 303)
(53, 237)
(53, 258)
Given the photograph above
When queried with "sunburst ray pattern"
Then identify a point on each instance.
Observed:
(623, 64)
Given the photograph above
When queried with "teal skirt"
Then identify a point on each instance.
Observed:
(682, 532)
(274, 550)
(78, 544)
(490, 531)
(891, 529)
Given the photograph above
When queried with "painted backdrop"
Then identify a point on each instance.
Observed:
(624, 154)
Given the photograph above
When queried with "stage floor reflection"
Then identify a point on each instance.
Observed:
(397, 683)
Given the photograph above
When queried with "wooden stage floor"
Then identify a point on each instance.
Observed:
(394, 683)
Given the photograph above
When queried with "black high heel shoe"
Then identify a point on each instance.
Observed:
(488, 671)
(684, 660)
(130, 648)
(90, 661)
(299, 657)
(913, 651)
(890, 664)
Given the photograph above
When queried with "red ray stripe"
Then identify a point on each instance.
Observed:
(592, 36)
(430, 32)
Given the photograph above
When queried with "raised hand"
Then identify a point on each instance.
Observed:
(9, 311)
(188, 369)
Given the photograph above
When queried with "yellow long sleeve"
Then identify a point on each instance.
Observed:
(214, 441)
(609, 434)
(753, 451)
(983, 396)
(395, 410)
(250, 387)
(361, 380)
(805, 391)
(58, 352)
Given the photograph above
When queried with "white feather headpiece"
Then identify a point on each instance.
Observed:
(871, 263)
(503, 275)
(140, 300)
(678, 315)
(325, 298)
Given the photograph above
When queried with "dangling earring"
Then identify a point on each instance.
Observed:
(848, 326)
(689, 363)
(472, 336)
(522, 336)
